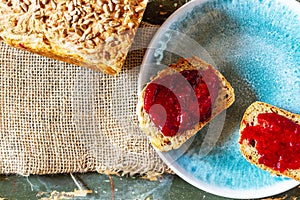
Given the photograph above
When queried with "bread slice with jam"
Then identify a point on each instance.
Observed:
(270, 139)
(180, 100)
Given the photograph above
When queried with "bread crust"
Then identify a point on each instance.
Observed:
(166, 143)
(58, 53)
(93, 34)
(250, 118)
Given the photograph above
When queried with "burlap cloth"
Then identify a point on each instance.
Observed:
(60, 118)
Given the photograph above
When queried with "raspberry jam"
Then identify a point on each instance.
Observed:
(277, 140)
(178, 101)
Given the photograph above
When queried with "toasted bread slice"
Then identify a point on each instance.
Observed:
(225, 97)
(248, 148)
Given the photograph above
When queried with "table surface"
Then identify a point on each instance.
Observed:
(114, 187)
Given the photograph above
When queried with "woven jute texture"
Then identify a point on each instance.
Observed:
(60, 118)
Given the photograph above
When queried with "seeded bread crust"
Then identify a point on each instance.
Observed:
(250, 119)
(165, 143)
(89, 33)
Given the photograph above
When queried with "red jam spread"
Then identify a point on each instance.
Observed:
(178, 101)
(277, 140)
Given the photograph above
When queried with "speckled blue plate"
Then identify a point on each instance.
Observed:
(256, 45)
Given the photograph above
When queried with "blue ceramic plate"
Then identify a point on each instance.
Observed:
(256, 45)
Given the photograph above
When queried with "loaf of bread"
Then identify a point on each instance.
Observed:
(222, 99)
(91, 33)
(270, 139)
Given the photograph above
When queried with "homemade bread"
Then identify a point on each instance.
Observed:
(249, 144)
(89, 33)
(223, 99)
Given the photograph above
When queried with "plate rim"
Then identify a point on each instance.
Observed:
(228, 193)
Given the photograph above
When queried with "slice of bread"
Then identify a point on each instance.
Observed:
(225, 97)
(248, 148)
(93, 34)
